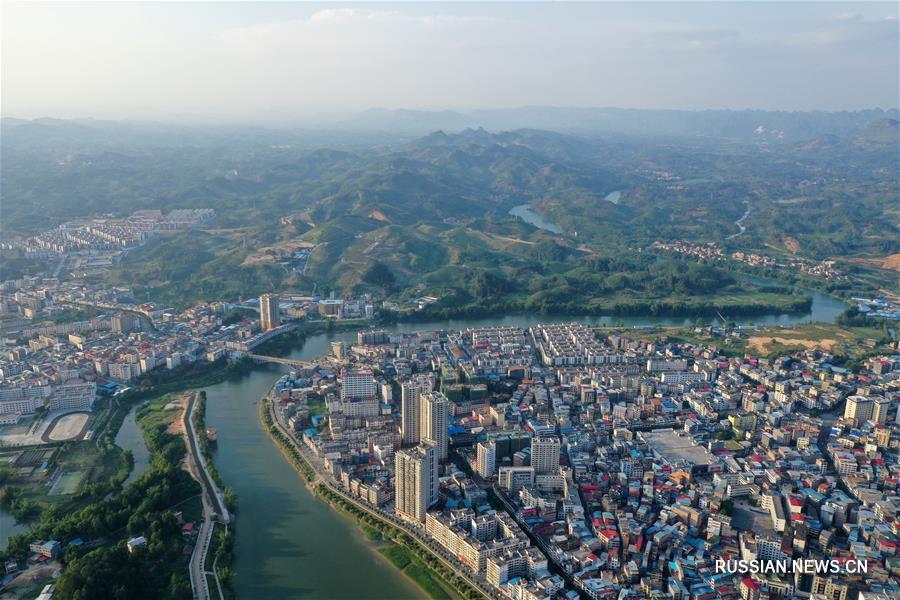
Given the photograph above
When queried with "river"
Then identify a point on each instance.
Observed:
(130, 437)
(8, 527)
(740, 223)
(289, 543)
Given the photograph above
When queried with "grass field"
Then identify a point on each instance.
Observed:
(67, 483)
(80, 463)
(372, 534)
(411, 567)
(192, 510)
(159, 412)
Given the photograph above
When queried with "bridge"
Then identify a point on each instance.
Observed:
(297, 364)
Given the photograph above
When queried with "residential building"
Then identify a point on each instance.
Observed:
(434, 410)
(416, 481)
(545, 455)
(486, 459)
(269, 314)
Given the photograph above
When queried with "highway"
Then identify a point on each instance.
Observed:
(418, 532)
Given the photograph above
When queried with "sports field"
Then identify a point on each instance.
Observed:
(68, 427)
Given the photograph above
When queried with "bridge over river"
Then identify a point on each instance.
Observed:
(297, 364)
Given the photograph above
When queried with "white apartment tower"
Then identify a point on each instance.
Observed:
(486, 459)
(269, 315)
(357, 383)
(411, 394)
(545, 455)
(859, 408)
(434, 417)
(880, 410)
(415, 481)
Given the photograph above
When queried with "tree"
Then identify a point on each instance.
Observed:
(380, 275)
(486, 284)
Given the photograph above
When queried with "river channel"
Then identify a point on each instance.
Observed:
(131, 438)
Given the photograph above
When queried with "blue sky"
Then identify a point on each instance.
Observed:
(251, 60)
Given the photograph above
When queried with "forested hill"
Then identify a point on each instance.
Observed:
(433, 210)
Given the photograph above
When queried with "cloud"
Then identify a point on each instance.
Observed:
(849, 29)
(231, 58)
(693, 38)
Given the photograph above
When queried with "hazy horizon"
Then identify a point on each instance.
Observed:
(291, 61)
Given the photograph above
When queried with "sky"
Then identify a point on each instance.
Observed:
(260, 60)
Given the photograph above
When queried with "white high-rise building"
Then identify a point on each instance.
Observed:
(358, 397)
(434, 418)
(545, 455)
(357, 383)
(486, 459)
(269, 315)
(859, 408)
(880, 410)
(411, 394)
(415, 481)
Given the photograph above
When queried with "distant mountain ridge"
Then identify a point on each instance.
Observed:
(737, 124)
(880, 132)
(731, 124)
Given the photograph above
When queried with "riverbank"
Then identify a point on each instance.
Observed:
(145, 508)
(763, 303)
(410, 557)
(403, 552)
(288, 544)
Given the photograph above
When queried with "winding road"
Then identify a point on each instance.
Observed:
(213, 508)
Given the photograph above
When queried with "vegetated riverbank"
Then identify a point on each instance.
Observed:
(760, 304)
(220, 554)
(158, 415)
(143, 508)
(105, 514)
(185, 377)
(404, 552)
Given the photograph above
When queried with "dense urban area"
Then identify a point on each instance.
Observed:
(557, 460)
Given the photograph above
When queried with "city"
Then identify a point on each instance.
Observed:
(539, 462)
(450, 300)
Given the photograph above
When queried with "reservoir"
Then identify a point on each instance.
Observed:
(524, 212)
(614, 197)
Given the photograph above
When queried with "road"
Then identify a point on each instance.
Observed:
(213, 507)
(59, 266)
(418, 532)
(297, 364)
